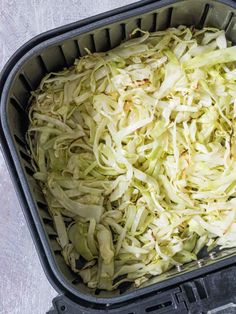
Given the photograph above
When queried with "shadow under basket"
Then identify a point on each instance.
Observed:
(183, 289)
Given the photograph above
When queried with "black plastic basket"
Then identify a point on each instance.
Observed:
(197, 286)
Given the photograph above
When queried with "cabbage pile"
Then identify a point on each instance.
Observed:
(135, 151)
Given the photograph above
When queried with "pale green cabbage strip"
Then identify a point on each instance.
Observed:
(135, 150)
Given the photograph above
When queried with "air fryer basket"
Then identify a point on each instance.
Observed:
(48, 54)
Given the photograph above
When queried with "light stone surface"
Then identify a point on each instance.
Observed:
(24, 288)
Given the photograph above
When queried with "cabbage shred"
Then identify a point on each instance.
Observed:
(135, 151)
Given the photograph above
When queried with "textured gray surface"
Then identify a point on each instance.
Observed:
(24, 288)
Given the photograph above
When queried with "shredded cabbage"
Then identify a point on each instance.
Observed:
(135, 150)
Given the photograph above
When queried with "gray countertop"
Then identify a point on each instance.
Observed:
(24, 288)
